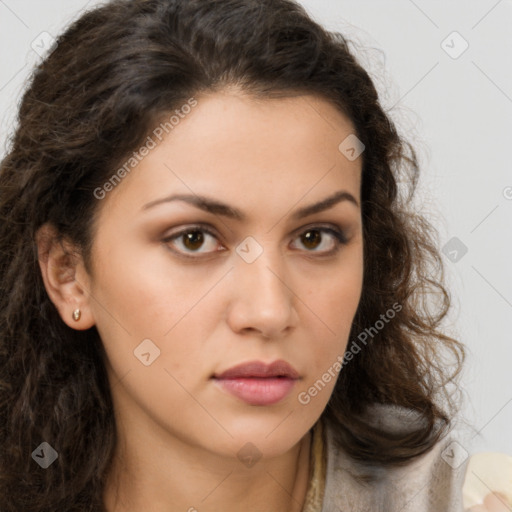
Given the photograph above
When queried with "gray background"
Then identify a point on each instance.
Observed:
(455, 109)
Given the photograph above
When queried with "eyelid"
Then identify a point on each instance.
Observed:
(340, 238)
(205, 227)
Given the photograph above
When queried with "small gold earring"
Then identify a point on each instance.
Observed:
(76, 315)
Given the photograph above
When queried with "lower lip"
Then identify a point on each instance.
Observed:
(258, 391)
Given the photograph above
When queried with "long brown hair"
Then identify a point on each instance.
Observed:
(112, 76)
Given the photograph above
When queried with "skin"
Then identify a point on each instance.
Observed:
(493, 502)
(179, 432)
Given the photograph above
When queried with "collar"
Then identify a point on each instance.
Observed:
(317, 469)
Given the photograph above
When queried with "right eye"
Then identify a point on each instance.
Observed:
(189, 240)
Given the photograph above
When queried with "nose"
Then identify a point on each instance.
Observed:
(263, 300)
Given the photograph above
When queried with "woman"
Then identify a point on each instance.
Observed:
(214, 294)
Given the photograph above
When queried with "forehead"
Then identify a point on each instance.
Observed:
(234, 147)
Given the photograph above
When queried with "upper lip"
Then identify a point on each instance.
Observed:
(278, 368)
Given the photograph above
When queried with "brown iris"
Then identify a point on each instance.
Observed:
(193, 240)
(312, 236)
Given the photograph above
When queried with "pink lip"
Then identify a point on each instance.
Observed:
(257, 383)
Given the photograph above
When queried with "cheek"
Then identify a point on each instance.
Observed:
(142, 292)
(148, 299)
(335, 305)
(336, 298)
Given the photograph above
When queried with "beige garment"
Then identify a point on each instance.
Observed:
(317, 466)
(443, 480)
(427, 484)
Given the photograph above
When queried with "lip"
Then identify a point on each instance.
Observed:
(279, 368)
(258, 383)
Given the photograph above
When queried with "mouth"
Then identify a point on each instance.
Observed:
(258, 369)
(257, 383)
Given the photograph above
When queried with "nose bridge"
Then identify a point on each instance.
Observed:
(261, 267)
(265, 299)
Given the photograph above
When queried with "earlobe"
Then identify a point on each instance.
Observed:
(64, 277)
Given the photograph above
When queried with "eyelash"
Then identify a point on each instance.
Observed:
(340, 239)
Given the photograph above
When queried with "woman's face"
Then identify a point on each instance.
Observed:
(180, 294)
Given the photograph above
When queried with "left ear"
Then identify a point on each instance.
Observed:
(65, 278)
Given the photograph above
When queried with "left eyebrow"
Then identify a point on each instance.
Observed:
(217, 208)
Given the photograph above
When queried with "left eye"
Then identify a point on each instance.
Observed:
(193, 238)
(314, 236)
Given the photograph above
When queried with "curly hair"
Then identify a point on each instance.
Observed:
(113, 74)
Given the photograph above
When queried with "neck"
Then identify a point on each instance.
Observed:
(177, 477)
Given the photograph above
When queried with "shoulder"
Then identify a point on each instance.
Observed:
(430, 483)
